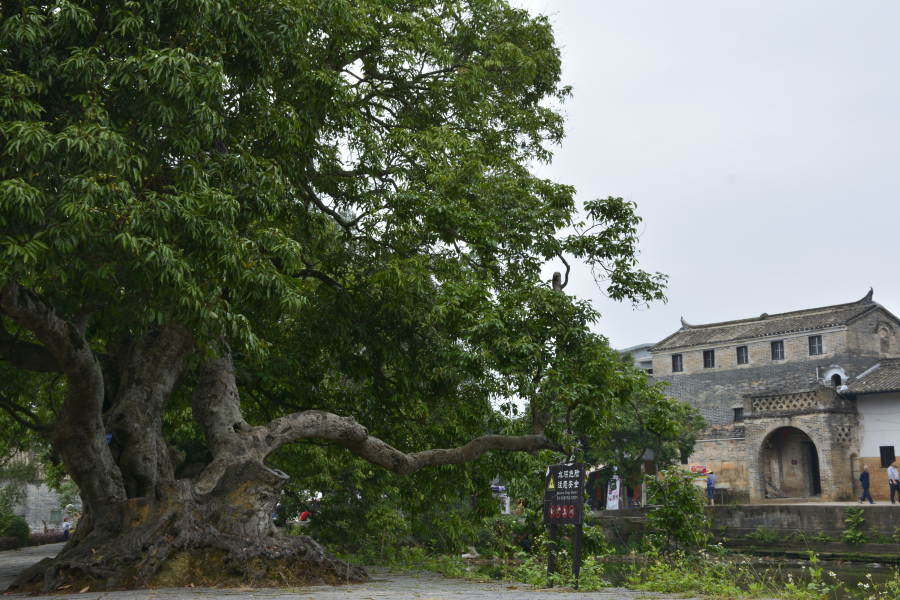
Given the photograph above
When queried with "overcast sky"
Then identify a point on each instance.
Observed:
(760, 141)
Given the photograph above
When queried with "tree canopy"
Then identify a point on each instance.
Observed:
(242, 225)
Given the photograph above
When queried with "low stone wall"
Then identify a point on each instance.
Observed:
(732, 525)
(808, 519)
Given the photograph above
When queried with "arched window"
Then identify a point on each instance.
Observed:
(836, 380)
(884, 334)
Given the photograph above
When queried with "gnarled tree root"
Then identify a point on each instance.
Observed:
(178, 539)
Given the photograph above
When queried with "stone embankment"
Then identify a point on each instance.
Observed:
(782, 529)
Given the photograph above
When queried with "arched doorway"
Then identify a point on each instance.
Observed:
(790, 464)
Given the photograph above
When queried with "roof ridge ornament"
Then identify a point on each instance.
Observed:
(867, 299)
(685, 325)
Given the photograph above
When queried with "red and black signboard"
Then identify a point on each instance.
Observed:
(564, 494)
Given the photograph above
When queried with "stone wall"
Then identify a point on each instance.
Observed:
(828, 421)
(735, 522)
(796, 350)
(726, 455)
(865, 336)
(806, 518)
(40, 502)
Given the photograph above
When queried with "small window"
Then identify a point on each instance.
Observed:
(739, 415)
(56, 516)
(836, 380)
(649, 371)
(709, 359)
(777, 350)
(885, 334)
(677, 364)
(815, 345)
(887, 456)
(684, 457)
(742, 355)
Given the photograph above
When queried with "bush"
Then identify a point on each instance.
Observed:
(15, 526)
(681, 514)
(855, 518)
(767, 536)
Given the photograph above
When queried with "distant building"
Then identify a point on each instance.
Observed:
(641, 355)
(795, 403)
(41, 506)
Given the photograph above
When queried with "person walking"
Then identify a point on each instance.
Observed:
(66, 527)
(711, 487)
(894, 480)
(864, 480)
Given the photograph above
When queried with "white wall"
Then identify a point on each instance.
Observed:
(879, 419)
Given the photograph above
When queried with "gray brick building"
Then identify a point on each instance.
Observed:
(41, 505)
(785, 413)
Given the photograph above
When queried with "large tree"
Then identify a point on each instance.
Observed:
(271, 222)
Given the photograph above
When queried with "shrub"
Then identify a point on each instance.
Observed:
(767, 536)
(855, 518)
(854, 537)
(16, 527)
(681, 514)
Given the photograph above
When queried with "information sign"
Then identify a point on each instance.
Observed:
(564, 505)
(564, 494)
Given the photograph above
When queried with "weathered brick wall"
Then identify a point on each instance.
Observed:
(41, 501)
(878, 480)
(38, 504)
(832, 432)
(726, 455)
(864, 339)
(796, 350)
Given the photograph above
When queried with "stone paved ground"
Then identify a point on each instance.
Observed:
(386, 586)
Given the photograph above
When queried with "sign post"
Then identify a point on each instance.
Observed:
(564, 505)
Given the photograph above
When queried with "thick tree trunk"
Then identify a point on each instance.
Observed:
(178, 536)
(141, 526)
(149, 369)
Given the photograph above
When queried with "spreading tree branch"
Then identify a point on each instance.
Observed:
(353, 436)
(15, 410)
(563, 285)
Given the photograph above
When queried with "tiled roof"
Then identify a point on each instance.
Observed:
(883, 377)
(766, 325)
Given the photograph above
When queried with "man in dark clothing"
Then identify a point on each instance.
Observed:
(864, 480)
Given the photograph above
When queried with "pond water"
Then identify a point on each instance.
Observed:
(848, 574)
